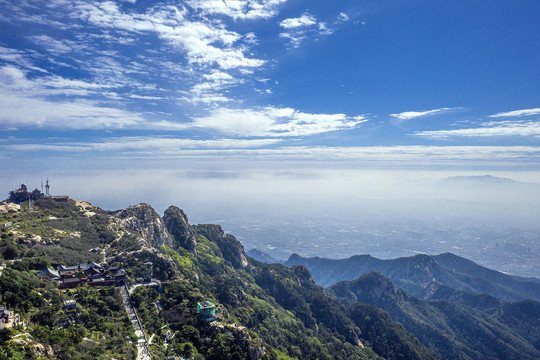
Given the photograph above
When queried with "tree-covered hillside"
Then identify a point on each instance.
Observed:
(456, 331)
(263, 311)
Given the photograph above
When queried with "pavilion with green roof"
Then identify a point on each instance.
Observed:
(206, 310)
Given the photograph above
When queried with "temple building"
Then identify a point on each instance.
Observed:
(206, 310)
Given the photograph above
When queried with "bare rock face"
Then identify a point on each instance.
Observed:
(237, 253)
(42, 350)
(176, 223)
(143, 220)
(9, 206)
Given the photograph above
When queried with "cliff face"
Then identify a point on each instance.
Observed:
(143, 220)
(176, 223)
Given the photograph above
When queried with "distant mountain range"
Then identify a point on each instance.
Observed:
(445, 276)
(457, 308)
(482, 179)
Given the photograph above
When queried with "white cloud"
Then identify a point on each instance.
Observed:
(342, 17)
(18, 58)
(24, 103)
(238, 9)
(271, 121)
(489, 129)
(251, 38)
(406, 154)
(218, 76)
(295, 39)
(524, 112)
(203, 43)
(53, 45)
(306, 26)
(14, 79)
(144, 97)
(188, 43)
(408, 115)
(302, 21)
(23, 111)
(324, 30)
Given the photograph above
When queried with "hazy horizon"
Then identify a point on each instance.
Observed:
(486, 217)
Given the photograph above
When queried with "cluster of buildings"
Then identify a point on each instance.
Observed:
(22, 194)
(90, 273)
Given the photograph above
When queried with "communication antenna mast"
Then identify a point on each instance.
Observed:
(42, 184)
(47, 187)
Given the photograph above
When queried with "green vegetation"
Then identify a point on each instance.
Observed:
(59, 230)
(97, 329)
(259, 306)
(453, 330)
(264, 311)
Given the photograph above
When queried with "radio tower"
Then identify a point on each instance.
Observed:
(47, 187)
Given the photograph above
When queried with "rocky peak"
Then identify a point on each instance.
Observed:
(176, 222)
(294, 258)
(144, 221)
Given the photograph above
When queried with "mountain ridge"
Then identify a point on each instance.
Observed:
(422, 275)
(262, 311)
(438, 323)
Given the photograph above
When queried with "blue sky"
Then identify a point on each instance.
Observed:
(203, 85)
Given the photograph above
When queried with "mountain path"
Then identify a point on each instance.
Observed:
(142, 342)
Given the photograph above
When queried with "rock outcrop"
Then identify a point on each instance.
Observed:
(176, 223)
(9, 206)
(143, 220)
